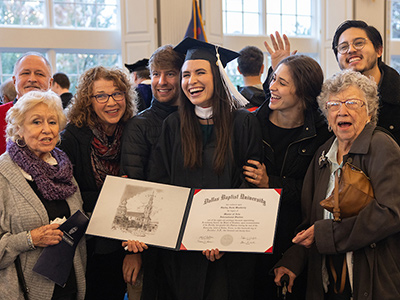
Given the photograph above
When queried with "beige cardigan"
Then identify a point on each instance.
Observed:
(20, 211)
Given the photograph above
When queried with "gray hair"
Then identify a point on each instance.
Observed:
(16, 114)
(34, 54)
(345, 79)
(8, 89)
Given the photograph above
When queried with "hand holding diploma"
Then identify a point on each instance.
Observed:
(134, 246)
(213, 254)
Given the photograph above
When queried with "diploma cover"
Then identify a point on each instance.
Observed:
(239, 220)
(55, 262)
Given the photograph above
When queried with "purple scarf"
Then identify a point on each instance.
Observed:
(53, 182)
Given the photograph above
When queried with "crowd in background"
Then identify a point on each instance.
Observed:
(175, 120)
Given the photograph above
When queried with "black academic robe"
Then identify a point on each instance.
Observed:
(189, 275)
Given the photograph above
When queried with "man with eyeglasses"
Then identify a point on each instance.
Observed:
(140, 136)
(359, 47)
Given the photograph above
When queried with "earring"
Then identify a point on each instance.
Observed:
(329, 128)
(20, 142)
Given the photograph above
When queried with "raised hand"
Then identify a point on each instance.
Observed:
(280, 48)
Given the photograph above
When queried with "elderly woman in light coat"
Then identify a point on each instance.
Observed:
(36, 186)
(362, 250)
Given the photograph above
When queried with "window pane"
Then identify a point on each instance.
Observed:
(107, 16)
(304, 7)
(234, 5)
(273, 7)
(233, 73)
(7, 64)
(86, 13)
(289, 25)
(74, 64)
(395, 62)
(273, 23)
(304, 26)
(251, 23)
(22, 13)
(64, 15)
(288, 7)
(234, 23)
(395, 20)
(251, 6)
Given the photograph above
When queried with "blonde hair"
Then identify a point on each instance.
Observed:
(16, 114)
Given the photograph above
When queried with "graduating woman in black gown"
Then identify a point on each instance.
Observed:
(204, 145)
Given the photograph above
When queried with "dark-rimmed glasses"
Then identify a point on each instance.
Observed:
(353, 104)
(103, 98)
(357, 43)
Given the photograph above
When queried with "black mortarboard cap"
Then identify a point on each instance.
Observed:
(196, 49)
(138, 66)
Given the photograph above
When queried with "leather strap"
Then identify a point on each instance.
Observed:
(334, 275)
(336, 209)
(21, 278)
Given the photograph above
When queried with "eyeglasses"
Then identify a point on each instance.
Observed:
(352, 104)
(358, 44)
(103, 98)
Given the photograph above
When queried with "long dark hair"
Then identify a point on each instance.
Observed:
(191, 135)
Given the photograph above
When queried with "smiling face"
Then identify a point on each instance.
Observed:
(32, 73)
(347, 124)
(165, 85)
(40, 130)
(283, 91)
(111, 112)
(197, 82)
(364, 60)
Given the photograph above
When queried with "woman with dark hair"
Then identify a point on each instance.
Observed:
(104, 101)
(204, 145)
(292, 129)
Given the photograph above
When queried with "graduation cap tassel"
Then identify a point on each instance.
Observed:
(233, 94)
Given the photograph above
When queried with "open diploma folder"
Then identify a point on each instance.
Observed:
(55, 262)
(240, 220)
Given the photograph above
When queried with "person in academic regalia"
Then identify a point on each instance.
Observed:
(204, 145)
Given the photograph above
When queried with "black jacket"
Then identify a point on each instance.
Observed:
(75, 142)
(290, 175)
(389, 98)
(140, 135)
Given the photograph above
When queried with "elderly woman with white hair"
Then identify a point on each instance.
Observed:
(36, 187)
(355, 257)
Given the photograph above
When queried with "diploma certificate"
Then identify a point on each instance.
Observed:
(239, 220)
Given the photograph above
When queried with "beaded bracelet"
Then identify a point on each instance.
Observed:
(30, 241)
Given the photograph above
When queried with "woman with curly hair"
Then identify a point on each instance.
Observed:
(104, 101)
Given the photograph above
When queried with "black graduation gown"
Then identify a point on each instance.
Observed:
(189, 275)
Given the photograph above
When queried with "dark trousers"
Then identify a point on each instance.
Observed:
(104, 277)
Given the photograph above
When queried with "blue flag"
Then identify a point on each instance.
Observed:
(196, 29)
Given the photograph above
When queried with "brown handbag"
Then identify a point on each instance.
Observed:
(352, 192)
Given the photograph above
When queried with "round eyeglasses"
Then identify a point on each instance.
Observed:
(103, 98)
(357, 43)
(353, 104)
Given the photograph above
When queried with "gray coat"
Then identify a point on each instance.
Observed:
(20, 211)
(373, 235)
